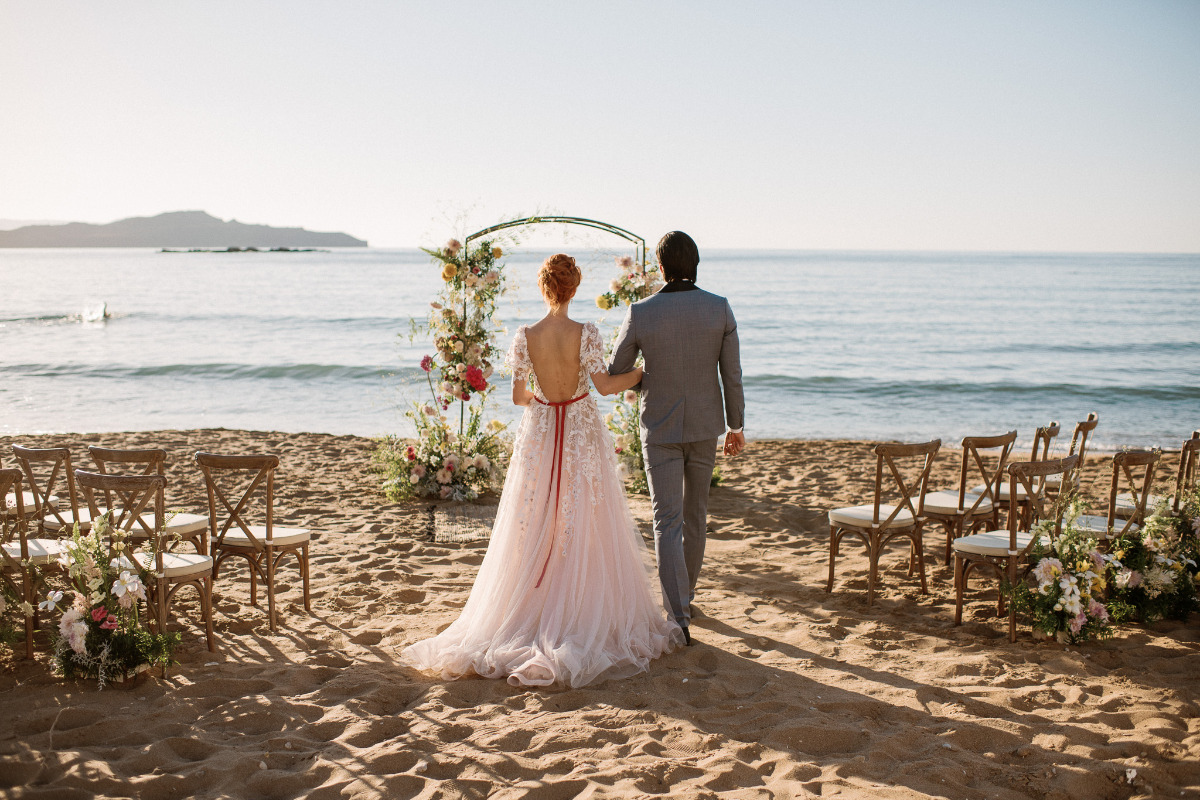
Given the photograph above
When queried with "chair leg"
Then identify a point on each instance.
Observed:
(206, 608)
(304, 575)
(28, 591)
(959, 588)
(873, 572)
(919, 547)
(271, 586)
(833, 548)
(949, 542)
(1012, 607)
(255, 564)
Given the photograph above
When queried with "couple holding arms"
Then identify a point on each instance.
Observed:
(564, 593)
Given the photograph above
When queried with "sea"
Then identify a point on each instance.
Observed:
(866, 345)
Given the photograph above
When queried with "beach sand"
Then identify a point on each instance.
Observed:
(789, 691)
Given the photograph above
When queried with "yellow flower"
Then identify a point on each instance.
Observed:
(603, 302)
(497, 252)
(448, 272)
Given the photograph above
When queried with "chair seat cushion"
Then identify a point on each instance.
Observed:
(41, 551)
(1096, 524)
(1126, 508)
(186, 525)
(990, 543)
(861, 516)
(946, 503)
(1001, 491)
(288, 536)
(51, 522)
(10, 502)
(176, 565)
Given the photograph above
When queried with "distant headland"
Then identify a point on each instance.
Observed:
(188, 229)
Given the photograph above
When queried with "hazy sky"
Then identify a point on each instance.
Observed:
(862, 125)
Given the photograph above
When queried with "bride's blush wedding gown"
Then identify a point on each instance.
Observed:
(564, 592)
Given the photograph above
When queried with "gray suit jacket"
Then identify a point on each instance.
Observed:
(686, 338)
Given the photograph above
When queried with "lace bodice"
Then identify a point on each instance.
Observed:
(591, 358)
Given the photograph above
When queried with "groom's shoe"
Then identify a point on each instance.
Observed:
(687, 636)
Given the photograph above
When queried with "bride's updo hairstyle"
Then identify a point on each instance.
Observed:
(558, 278)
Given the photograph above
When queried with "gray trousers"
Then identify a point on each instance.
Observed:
(679, 476)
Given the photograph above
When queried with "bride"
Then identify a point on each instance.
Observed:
(563, 594)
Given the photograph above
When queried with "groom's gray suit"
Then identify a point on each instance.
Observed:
(688, 338)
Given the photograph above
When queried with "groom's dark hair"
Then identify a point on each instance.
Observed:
(677, 256)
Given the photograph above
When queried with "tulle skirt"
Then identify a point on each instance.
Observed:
(594, 615)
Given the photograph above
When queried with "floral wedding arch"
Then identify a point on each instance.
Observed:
(460, 464)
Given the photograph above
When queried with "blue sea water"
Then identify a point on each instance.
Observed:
(834, 344)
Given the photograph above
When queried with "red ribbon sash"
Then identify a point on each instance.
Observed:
(560, 439)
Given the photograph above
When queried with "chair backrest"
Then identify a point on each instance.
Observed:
(898, 458)
(1032, 475)
(222, 473)
(1042, 438)
(135, 494)
(978, 450)
(1127, 463)
(1078, 447)
(10, 481)
(1185, 481)
(32, 460)
(151, 460)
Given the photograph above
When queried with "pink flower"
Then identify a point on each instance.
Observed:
(1077, 622)
(427, 363)
(625, 262)
(110, 623)
(1096, 610)
(474, 376)
(99, 613)
(452, 247)
(630, 396)
(419, 471)
(446, 492)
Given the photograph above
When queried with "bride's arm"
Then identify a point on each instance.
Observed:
(521, 394)
(611, 384)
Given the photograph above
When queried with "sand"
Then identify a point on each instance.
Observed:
(789, 691)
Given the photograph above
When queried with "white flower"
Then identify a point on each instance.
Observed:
(480, 461)
(51, 602)
(460, 368)
(127, 587)
(457, 346)
(443, 476)
(77, 636)
(608, 418)
(414, 478)
(615, 286)
(630, 396)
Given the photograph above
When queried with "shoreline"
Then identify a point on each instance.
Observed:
(789, 692)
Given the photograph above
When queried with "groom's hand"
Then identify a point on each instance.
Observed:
(735, 443)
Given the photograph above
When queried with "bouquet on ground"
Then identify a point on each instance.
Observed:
(1066, 598)
(100, 634)
(441, 463)
(1155, 571)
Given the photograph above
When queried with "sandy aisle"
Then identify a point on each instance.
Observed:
(790, 692)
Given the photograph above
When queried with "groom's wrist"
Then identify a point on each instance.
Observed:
(735, 430)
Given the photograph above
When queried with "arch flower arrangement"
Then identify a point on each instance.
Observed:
(443, 462)
(633, 283)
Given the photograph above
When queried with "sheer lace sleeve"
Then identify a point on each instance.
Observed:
(517, 357)
(591, 352)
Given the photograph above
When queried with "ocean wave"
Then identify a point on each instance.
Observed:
(836, 385)
(211, 371)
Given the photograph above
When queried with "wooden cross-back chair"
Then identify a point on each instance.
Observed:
(141, 519)
(1003, 551)
(1079, 438)
(878, 523)
(1043, 439)
(20, 554)
(1125, 464)
(964, 510)
(152, 461)
(54, 464)
(263, 546)
(1185, 480)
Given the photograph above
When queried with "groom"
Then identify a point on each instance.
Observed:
(688, 337)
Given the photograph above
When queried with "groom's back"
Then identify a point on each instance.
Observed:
(681, 335)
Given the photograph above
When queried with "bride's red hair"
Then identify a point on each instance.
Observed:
(559, 278)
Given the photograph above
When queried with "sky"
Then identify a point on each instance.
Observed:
(899, 125)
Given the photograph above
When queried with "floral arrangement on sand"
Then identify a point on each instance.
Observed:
(443, 462)
(99, 634)
(1155, 568)
(634, 282)
(1069, 574)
